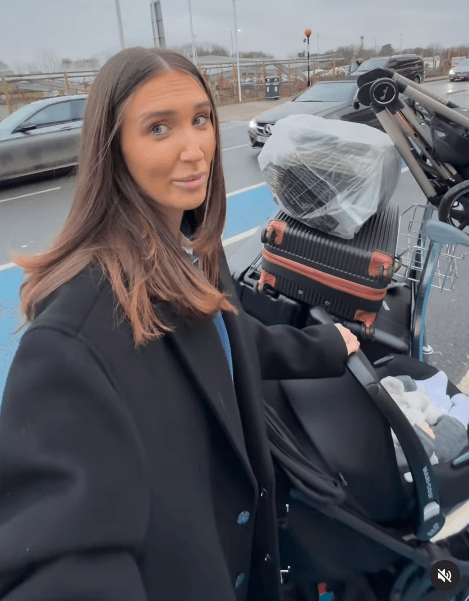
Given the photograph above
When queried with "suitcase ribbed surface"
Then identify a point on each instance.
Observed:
(335, 254)
(348, 260)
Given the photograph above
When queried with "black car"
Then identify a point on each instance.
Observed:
(411, 66)
(336, 99)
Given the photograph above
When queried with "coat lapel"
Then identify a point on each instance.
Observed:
(249, 388)
(212, 375)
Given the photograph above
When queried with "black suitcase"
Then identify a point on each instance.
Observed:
(390, 332)
(349, 278)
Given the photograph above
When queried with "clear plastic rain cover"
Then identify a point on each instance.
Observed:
(330, 175)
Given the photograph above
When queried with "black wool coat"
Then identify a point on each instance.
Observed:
(143, 475)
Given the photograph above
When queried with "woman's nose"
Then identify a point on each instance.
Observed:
(191, 146)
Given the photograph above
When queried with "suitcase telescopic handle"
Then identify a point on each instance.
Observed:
(430, 520)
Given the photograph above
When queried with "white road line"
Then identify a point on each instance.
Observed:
(30, 194)
(233, 147)
(240, 124)
(7, 266)
(245, 189)
(239, 237)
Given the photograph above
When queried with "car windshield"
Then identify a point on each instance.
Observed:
(373, 63)
(329, 92)
(17, 117)
(464, 63)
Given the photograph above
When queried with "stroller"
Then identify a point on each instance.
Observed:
(347, 517)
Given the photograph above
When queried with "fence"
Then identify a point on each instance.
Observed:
(223, 77)
(17, 90)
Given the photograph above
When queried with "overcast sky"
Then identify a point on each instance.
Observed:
(85, 28)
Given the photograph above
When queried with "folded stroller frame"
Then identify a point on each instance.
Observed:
(436, 150)
(439, 158)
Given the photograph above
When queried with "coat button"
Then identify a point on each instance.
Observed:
(267, 558)
(264, 493)
(243, 517)
(239, 580)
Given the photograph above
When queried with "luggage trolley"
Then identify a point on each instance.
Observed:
(370, 548)
(382, 556)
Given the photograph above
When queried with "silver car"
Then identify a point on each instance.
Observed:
(460, 71)
(41, 136)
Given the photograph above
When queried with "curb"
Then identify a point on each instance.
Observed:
(464, 384)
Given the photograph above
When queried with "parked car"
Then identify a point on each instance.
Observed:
(336, 99)
(460, 71)
(41, 136)
(411, 66)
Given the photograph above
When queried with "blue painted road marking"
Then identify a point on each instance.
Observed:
(247, 210)
(10, 281)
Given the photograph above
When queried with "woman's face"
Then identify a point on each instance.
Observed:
(167, 136)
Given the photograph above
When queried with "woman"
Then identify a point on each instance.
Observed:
(134, 461)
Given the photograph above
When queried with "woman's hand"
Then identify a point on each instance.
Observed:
(350, 339)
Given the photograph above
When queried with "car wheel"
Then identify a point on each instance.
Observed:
(417, 79)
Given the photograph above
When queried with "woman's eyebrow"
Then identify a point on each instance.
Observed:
(158, 114)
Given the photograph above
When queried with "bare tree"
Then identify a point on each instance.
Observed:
(255, 55)
(212, 49)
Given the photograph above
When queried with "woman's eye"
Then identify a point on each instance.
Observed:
(205, 117)
(156, 127)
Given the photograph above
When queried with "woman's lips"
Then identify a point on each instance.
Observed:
(192, 184)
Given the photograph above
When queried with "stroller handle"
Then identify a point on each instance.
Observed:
(430, 520)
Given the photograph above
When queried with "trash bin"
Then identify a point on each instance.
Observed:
(272, 88)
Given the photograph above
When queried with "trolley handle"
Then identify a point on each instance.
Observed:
(444, 233)
(396, 344)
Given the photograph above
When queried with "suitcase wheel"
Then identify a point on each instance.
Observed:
(264, 289)
(268, 236)
(260, 288)
(389, 273)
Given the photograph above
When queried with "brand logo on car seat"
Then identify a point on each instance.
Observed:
(433, 531)
(427, 480)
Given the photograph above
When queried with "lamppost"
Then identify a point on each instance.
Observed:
(119, 22)
(237, 50)
(195, 44)
(231, 35)
(194, 58)
(308, 33)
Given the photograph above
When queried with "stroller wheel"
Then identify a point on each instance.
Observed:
(454, 206)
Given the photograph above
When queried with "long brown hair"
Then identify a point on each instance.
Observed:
(113, 222)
